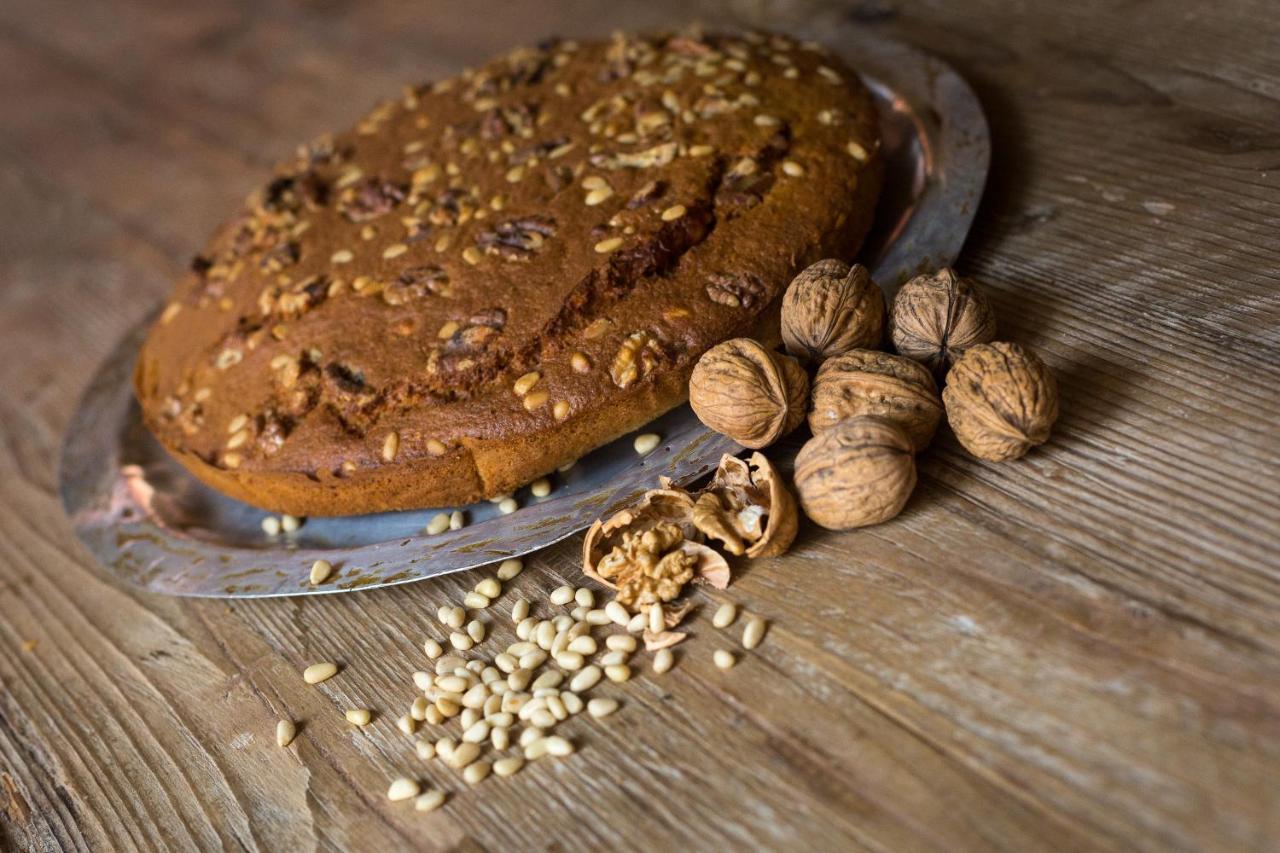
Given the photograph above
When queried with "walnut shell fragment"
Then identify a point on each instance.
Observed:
(662, 639)
(647, 553)
(937, 317)
(859, 472)
(867, 382)
(742, 390)
(1001, 401)
(831, 308)
(748, 508)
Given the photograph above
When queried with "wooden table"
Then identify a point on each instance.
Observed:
(1078, 650)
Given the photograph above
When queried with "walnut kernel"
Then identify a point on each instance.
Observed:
(742, 390)
(867, 382)
(831, 308)
(1001, 400)
(937, 317)
(857, 473)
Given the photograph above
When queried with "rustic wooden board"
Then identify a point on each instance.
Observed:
(1078, 650)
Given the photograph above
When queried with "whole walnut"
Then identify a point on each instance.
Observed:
(867, 382)
(831, 308)
(859, 472)
(1001, 400)
(742, 390)
(936, 317)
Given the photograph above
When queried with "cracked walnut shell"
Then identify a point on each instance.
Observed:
(648, 552)
(831, 308)
(936, 317)
(859, 472)
(867, 382)
(747, 508)
(742, 390)
(1001, 401)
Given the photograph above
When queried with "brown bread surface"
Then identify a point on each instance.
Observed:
(599, 214)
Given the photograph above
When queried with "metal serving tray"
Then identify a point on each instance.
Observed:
(153, 525)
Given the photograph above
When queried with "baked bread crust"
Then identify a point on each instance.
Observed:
(498, 273)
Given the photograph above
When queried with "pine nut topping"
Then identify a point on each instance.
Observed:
(391, 446)
(361, 716)
(792, 168)
(569, 660)
(674, 212)
(602, 707)
(435, 447)
(320, 571)
(767, 121)
(509, 569)
(663, 660)
(342, 256)
(620, 643)
(439, 524)
(535, 400)
(519, 610)
(526, 382)
(617, 613)
(725, 615)
(403, 789)
(476, 773)
(586, 679)
(471, 255)
(724, 659)
(285, 733)
(508, 766)
(657, 619)
(647, 442)
(753, 633)
(597, 196)
(395, 250)
(319, 672)
(559, 746)
(604, 247)
(857, 152)
(580, 362)
(462, 755)
(430, 801)
(560, 409)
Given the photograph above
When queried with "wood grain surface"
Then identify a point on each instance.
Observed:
(1080, 650)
